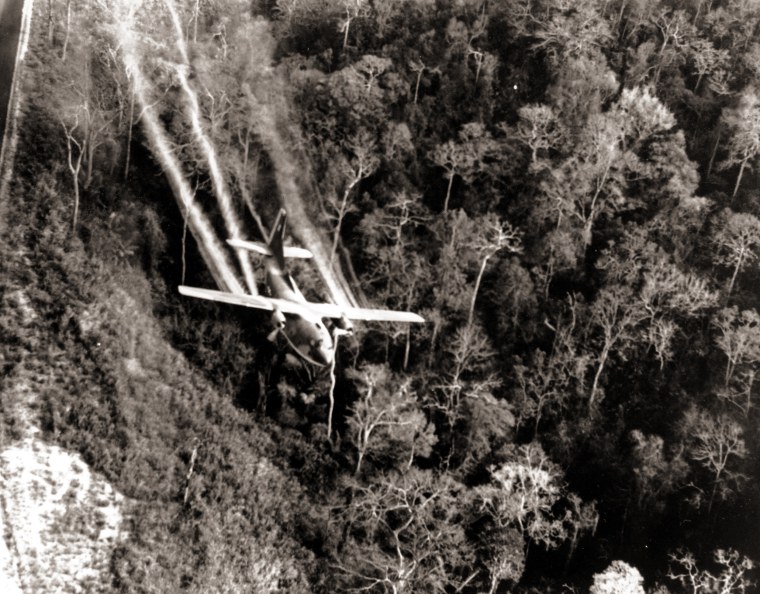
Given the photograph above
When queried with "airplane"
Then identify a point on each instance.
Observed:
(297, 319)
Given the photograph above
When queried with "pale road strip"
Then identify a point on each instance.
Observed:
(10, 133)
(41, 483)
(10, 26)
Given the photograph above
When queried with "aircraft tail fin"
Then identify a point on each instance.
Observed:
(276, 238)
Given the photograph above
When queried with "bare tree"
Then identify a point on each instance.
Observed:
(743, 144)
(538, 129)
(667, 295)
(548, 380)
(419, 67)
(362, 165)
(469, 354)
(386, 417)
(462, 39)
(616, 313)
(68, 30)
(738, 339)
(657, 470)
(464, 158)
(732, 579)
(589, 183)
(404, 535)
(717, 444)
(523, 494)
(495, 236)
(706, 58)
(738, 241)
(675, 29)
(74, 161)
(352, 9)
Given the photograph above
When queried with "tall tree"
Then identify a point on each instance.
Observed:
(523, 493)
(386, 419)
(706, 59)
(675, 29)
(591, 182)
(565, 35)
(469, 375)
(732, 579)
(615, 314)
(495, 236)
(465, 158)
(657, 469)
(738, 241)
(739, 339)
(547, 381)
(352, 10)
(405, 534)
(717, 445)
(538, 128)
(361, 164)
(75, 153)
(743, 141)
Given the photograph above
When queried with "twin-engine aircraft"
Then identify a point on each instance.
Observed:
(298, 320)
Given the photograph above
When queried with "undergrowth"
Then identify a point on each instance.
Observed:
(208, 509)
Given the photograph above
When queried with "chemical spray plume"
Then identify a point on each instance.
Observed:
(211, 250)
(288, 175)
(234, 228)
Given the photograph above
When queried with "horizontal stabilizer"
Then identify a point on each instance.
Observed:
(263, 249)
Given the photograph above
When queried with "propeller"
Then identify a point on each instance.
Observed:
(343, 327)
(278, 321)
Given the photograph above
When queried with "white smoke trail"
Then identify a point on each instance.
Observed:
(212, 251)
(272, 128)
(287, 174)
(217, 177)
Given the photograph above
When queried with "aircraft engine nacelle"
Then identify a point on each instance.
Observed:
(345, 325)
(278, 319)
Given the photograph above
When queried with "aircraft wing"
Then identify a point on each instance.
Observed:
(255, 301)
(328, 310)
(323, 310)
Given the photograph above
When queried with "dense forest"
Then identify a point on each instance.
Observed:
(565, 190)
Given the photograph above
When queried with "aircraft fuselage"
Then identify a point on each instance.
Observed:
(305, 332)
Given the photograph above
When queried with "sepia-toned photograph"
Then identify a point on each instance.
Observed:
(379, 296)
